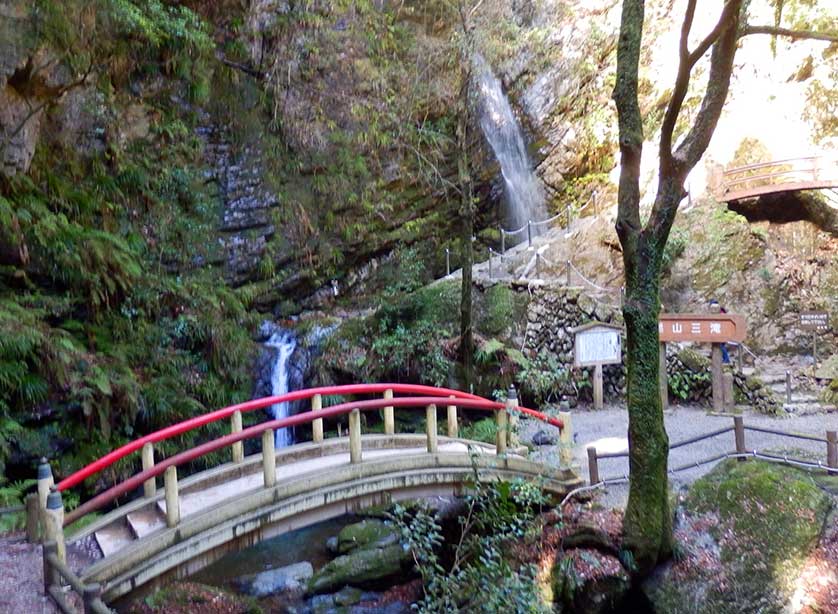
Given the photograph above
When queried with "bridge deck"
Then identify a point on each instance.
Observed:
(144, 522)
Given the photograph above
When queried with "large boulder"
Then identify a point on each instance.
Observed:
(368, 568)
(289, 579)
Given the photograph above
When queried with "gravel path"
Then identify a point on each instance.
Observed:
(607, 430)
(21, 577)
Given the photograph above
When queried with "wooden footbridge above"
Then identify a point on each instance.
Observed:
(197, 519)
(791, 175)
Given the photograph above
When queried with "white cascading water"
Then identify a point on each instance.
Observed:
(524, 195)
(285, 342)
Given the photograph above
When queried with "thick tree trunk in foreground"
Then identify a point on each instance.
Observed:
(647, 525)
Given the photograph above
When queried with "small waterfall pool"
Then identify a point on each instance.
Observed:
(285, 342)
(524, 195)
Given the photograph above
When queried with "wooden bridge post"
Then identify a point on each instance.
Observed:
(33, 518)
(150, 485)
(453, 427)
(832, 449)
(430, 428)
(593, 467)
(172, 499)
(236, 427)
(355, 436)
(51, 577)
(317, 425)
(502, 424)
(54, 525)
(92, 592)
(45, 481)
(566, 440)
(739, 434)
(389, 418)
(268, 458)
(512, 422)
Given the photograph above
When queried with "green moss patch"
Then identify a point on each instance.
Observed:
(746, 530)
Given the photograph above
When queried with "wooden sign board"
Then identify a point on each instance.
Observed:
(597, 344)
(814, 320)
(701, 328)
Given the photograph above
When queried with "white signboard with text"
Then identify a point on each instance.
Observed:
(597, 345)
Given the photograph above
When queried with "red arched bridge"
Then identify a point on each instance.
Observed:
(791, 175)
(197, 519)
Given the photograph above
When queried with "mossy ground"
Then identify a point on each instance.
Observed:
(745, 532)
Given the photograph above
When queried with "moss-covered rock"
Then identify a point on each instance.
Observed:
(369, 533)
(746, 529)
(368, 567)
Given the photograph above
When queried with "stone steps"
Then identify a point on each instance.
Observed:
(145, 522)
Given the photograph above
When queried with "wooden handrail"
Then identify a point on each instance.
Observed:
(791, 171)
(226, 412)
(137, 480)
(758, 165)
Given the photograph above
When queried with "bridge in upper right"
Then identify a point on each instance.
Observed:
(791, 175)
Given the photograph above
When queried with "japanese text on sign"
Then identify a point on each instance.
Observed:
(705, 328)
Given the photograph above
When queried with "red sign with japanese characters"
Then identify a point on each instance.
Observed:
(701, 328)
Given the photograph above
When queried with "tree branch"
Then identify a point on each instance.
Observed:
(721, 68)
(682, 82)
(730, 9)
(795, 35)
(679, 92)
(689, 152)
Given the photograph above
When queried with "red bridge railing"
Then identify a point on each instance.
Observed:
(431, 396)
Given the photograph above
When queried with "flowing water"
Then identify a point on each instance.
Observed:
(524, 195)
(285, 342)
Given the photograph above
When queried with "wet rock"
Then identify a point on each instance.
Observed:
(281, 580)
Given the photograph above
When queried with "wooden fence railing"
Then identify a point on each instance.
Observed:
(57, 574)
(739, 428)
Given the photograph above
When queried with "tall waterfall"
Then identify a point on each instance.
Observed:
(285, 342)
(524, 196)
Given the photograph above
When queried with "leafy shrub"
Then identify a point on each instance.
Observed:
(481, 578)
(543, 379)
